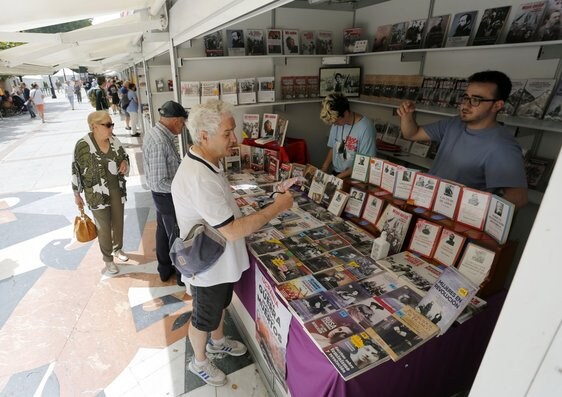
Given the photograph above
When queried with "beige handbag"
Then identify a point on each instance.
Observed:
(84, 228)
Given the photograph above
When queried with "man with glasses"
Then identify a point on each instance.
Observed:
(473, 148)
(161, 161)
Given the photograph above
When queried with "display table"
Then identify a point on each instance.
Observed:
(294, 150)
(441, 367)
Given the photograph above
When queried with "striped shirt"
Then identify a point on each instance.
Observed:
(161, 158)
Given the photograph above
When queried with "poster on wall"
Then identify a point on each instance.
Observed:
(272, 328)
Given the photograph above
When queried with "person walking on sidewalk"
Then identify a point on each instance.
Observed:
(161, 161)
(36, 97)
(78, 90)
(99, 167)
(124, 100)
(133, 109)
(200, 190)
(69, 89)
(28, 104)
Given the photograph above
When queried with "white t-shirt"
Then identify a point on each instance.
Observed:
(37, 96)
(201, 191)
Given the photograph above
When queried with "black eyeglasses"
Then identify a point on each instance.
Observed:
(108, 125)
(475, 101)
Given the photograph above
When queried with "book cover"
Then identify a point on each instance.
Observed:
(473, 207)
(209, 90)
(324, 44)
(476, 263)
(491, 26)
(461, 29)
(257, 159)
(213, 43)
(449, 247)
(285, 171)
(425, 237)
(229, 91)
(332, 328)
(247, 90)
(350, 36)
(314, 306)
(300, 87)
(299, 288)
(424, 190)
(274, 42)
(291, 41)
(410, 269)
(537, 170)
(235, 40)
(360, 46)
(355, 202)
(498, 220)
(382, 38)
(287, 87)
(360, 171)
(318, 185)
(404, 182)
(160, 86)
(350, 294)
(397, 36)
(338, 203)
(525, 22)
(417, 322)
(476, 305)
(549, 28)
(190, 93)
(268, 233)
(392, 133)
(395, 337)
(388, 180)
(517, 89)
(414, 34)
(554, 111)
(332, 185)
(266, 89)
(373, 209)
(534, 98)
(269, 123)
(395, 223)
(251, 126)
(297, 170)
(375, 171)
(313, 86)
(255, 42)
(283, 266)
(322, 263)
(447, 198)
(447, 298)
(308, 42)
(273, 168)
(246, 155)
(436, 31)
(420, 149)
(232, 161)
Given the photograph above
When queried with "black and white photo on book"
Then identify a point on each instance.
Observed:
(332, 185)
(318, 186)
(397, 36)
(251, 126)
(232, 162)
(449, 247)
(498, 220)
(235, 40)
(350, 37)
(343, 80)
(473, 207)
(355, 202)
(525, 22)
(414, 34)
(554, 111)
(461, 28)
(382, 38)
(266, 89)
(269, 123)
(395, 223)
(308, 42)
(534, 99)
(476, 263)
(229, 92)
(255, 42)
(290, 41)
(447, 198)
(360, 170)
(324, 43)
(404, 182)
(274, 42)
(436, 31)
(388, 180)
(491, 26)
(375, 171)
(213, 43)
(549, 28)
(373, 209)
(537, 170)
(424, 190)
(281, 131)
(517, 89)
(338, 202)
(425, 237)
(247, 88)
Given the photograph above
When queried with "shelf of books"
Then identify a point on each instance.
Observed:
(282, 102)
(250, 57)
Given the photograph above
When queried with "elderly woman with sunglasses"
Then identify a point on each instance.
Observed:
(98, 169)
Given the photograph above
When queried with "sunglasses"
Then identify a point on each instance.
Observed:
(108, 125)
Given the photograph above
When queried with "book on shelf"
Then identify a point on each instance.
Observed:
(324, 43)
(281, 131)
(360, 171)
(491, 26)
(473, 207)
(436, 31)
(376, 166)
(461, 29)
(209, 90)
(312, 86)
(549, 28)
(476, 263)
(395, 223)
(285, 171)
(273, 168)
(447, 198)
(373, 209)
(257, 159)
(404, 182)
(420, 149)
(251, 126)
(425, 238)
(308, 42)
(414, 34)
(449, 247)
(338, 202)
(255, 42)
(190, 93)
(247, 90)
(235, 40)
(232, 162)
(297, 171)
(554, 111)
(382, 38)
(287, 87)
(388, 180)
(308, 175)
(300, 87)
(397, 35)
(447, 298)
(355, 202)
(499, 218)
(291, 41)
(424, 190)
(317, 186)
(268, 154)
(266, 89)
(517, 89)
(404, 144)
(274, 42)
(160, 86)
(460, 88)
(269, 123)
(350, 36)
(525, 23)
(392, 133)
(534, 99)
(213, 43)
(246, 155)
(537, 170)
(229, 91)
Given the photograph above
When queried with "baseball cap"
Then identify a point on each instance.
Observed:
(172, 109)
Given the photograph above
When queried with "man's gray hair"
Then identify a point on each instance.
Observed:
(207, 117)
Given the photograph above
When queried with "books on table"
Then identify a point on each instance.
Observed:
(476, 263)
(499, 218)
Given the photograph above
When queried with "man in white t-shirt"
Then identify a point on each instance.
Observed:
(200, 190)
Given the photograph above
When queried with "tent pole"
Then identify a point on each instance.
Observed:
(53, 95)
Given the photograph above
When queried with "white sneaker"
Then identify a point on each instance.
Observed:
(230, 347)
(209, 373)
(121, 255)
(111, 268)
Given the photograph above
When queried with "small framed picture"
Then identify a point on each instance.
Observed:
(343, 80)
